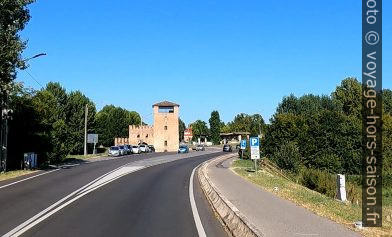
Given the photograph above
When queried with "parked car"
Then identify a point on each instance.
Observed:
(144, 148)
(227, 148)
(183, 149)
(127, 151)
(152, 148)
(200, 147)
(122, 150)
(114, 151)
(136, 150)
(130, 148)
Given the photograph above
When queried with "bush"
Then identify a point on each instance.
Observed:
(288, 157)
(319, 181)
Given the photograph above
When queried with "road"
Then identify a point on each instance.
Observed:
(145, 195)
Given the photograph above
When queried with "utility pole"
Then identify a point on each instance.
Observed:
(85, 130)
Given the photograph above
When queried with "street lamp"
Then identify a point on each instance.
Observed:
(5, 116)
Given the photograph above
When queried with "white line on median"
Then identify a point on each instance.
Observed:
(196, 217)
(22, 180)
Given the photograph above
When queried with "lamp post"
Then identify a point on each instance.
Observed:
(5, 116)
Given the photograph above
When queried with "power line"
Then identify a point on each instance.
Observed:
(33, 78)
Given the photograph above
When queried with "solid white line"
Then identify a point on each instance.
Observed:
(22, 180)
(196, 217)
(22, 228)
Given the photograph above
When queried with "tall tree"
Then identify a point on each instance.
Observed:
(112, 122)
(215, 126)
(75, 113)
(14, 16)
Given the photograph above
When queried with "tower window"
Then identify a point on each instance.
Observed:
(165, 127)
(165, 143)
(166, 109)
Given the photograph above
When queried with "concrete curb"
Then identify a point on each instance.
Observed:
(232, 218)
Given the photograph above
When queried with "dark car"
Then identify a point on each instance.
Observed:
(152, 148)
(227, 148)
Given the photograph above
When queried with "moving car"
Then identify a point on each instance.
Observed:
(183, 149)
(227, 148)
(200, 147)
(114, 151)
(136, 150)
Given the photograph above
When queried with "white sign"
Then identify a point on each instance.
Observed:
(254, 148)
(92, 138)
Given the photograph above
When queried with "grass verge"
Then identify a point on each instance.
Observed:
(89, 156)
(343, 213)
(15, 174)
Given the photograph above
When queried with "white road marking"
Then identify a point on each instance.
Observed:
(93, 185)
(97, 183)
(196, 217)
(31, 177)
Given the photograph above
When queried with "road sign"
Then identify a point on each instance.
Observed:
(243, 144)
(92, 138)
(254, 148)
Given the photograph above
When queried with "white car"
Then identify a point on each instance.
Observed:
(114, 151)
(144, 148)
(136, 150)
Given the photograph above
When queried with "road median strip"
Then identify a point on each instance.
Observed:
(232, 218)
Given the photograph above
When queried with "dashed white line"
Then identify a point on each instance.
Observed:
(196, 217)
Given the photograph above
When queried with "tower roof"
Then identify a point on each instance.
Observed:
(165, 103)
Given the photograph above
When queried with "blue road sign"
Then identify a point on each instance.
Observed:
(243, 144)
(254, 148)
(254, 142)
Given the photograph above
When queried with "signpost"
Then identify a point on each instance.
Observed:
(255, 150)
(243, 147)
(92, 138)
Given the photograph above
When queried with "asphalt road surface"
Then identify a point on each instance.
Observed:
(144, 195)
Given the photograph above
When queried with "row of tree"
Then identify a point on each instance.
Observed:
(254, 124)
(324, 132)
(51, 123)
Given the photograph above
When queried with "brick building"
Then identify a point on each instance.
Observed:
(164, 134)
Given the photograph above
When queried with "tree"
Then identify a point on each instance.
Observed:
(254, 124)
(215, 126)
(181, 129)
(288, 157)
(112, 122)
(26, 125)
(199, 129)
(75, 116)
(54, 124)
(349, 96)
(14, 16)
(387, 100)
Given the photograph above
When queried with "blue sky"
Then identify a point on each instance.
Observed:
(230, 56)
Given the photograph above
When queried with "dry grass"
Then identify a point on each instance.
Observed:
(15, 174)
(343, 213)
